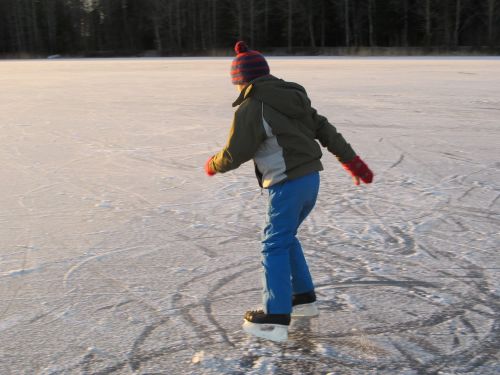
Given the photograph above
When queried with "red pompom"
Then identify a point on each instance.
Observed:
(240, 47)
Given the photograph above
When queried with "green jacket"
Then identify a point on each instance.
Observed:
(276, 126)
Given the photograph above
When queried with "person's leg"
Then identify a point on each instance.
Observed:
(289, 204)
(282, 216)
(301, 277)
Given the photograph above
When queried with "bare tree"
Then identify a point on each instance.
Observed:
(290, 25)
(157, 19)
(405, 23)
(491, 5)
(160, 12)
(310, 23)
(346, 24)
(371, 33)
(240, 16)
(323, 23)
(266, 19)
(51, 20)
(19, 29)
(214, 23)
(34, 27)
(126, 26)
(428, 23)
(458, 15)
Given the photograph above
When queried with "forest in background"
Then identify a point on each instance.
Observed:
(40, 28)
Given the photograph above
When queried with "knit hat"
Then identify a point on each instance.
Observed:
(247, 65)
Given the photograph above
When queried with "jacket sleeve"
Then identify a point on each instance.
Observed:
(328, 136)
(245, 136)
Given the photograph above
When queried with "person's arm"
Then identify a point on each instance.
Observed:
(328, 136)
(245, 137)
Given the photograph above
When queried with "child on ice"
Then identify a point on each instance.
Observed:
(276, 126)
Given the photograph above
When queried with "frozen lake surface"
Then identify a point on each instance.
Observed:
(119, 256)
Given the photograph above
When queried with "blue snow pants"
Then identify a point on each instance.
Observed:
(285, 268)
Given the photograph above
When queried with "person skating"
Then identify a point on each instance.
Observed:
(276, 126)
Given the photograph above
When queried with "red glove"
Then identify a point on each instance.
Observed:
(208, 167)
(359, 170)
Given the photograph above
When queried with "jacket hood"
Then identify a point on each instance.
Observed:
(285, 97)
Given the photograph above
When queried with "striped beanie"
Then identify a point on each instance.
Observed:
(247, 65)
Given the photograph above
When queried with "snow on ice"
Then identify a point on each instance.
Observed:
(118, 255)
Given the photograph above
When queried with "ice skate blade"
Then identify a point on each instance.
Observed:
(273, 332)
(305, 310)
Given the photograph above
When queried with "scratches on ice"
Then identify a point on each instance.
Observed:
(76, 267)
(398, 161)
(145, 265)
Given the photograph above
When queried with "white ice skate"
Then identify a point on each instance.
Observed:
(304, 305)
(305, 310)
(267, 326)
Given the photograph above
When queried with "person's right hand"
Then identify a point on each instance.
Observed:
(359, 171)
(208, 167)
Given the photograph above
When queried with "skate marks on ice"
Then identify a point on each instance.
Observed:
(394, 295)
(191, 303)
(436, 269)
(407, 283)
(354, 334)
(154, 271)
(392, 298)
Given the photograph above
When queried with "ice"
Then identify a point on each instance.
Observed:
(118, 255)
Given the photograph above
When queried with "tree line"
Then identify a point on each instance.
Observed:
(206, 27)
